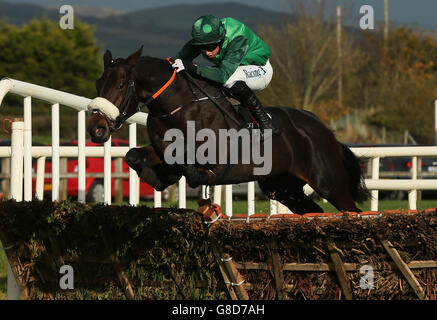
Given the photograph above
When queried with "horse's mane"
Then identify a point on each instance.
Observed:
(155, 62)
(153, 59)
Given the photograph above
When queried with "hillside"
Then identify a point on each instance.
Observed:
(162, 31)
(89, 11)
(132, 5)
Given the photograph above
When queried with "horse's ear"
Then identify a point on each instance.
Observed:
(107, 58)
(134, 57)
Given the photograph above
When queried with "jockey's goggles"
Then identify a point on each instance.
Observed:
(210, 47)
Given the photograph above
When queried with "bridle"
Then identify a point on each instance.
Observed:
(131, 94)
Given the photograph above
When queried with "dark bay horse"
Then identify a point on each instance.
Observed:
(305, 152)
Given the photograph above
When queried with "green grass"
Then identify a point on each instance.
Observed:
(3, 274)
(264, 206)
(241, 207)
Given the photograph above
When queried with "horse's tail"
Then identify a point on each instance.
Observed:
(357, 187)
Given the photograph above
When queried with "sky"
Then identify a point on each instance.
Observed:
(420, 13)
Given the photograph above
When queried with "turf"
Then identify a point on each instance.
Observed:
(3, 274)
(264, 206)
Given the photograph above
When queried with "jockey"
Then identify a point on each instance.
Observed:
(240, 57)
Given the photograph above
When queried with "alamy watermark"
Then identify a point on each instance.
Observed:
(67, 20)
(368, 18)
(183, 150)
(67, 280)
(367, 280)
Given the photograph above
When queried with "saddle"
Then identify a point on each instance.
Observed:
(243, 113)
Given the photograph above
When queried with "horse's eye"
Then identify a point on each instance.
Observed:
(121, 85)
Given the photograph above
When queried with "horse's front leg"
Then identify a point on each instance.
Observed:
(151, 169)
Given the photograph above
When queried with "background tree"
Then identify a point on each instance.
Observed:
(400, 82)
(306, 62)
(387, 86)
(42, 53)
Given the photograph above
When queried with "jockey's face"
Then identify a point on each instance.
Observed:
(212, 53)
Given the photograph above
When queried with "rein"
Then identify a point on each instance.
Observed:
(207, 96)
(223, 110)
(131, 93)
(164, 87)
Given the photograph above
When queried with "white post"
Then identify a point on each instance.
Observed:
(412, 194)
(375, 176)
(55, 152)
(157, 199)
(182, 192)
(133, 177)
(40, 171)
(217, 197)
(228, 195)
(27, 149)
(205, 192)
(273, 207)
(81, 157)
(435, 122)
(251, 198)
(17, 153)
(107, 170)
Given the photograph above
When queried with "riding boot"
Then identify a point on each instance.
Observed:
(262, 117)
(249, 100)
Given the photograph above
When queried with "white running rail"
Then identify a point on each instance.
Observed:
(21, 153)
(56, 98)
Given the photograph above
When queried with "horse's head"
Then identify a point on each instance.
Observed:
(117, 99)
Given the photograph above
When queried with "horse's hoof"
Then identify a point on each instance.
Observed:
(134, 159)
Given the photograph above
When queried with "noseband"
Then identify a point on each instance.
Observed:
(131, 94)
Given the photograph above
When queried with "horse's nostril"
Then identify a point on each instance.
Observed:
(99, 132)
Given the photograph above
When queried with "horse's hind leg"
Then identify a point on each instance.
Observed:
(338, 195)
(288, 190)
(343, 201)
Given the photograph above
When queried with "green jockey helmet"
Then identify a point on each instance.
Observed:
(207, 30)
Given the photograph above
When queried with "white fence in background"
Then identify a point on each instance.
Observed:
(56, 98)
(411, 185)
(21, 153)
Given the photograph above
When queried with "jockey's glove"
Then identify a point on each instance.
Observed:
(186, 65)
